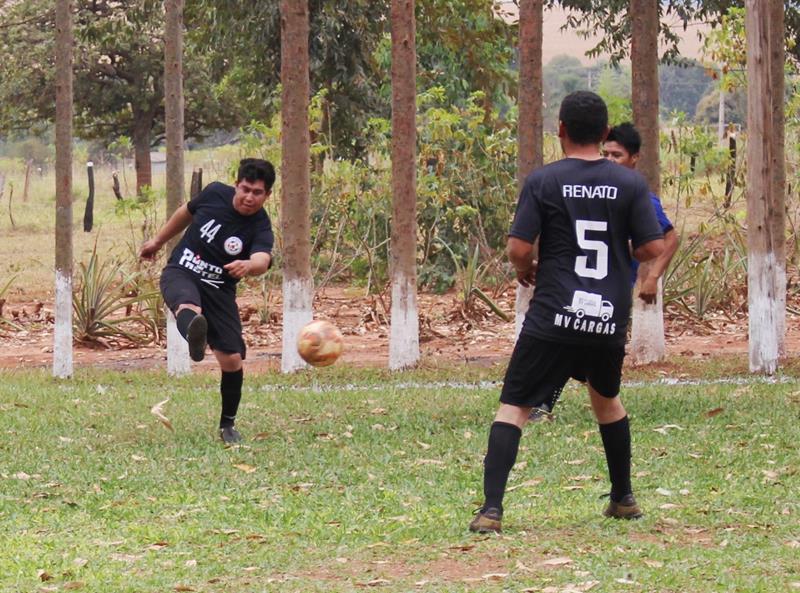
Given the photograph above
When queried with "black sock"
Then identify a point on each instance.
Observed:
(183, 319)
(617, 443)
(230, 386)
(500, 457)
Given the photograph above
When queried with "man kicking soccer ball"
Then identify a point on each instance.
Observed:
(583, 209)
(229, 236)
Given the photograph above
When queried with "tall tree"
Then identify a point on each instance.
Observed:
(177, 348)
(404, 335)
(531, 130)
(62, 336)
(119, 87)
(647, 326)
(298, 283)
(766, 257)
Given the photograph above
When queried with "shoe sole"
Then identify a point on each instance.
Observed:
(636, 515)
(488, 526)
(196, 337)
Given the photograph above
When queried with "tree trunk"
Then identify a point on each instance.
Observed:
(765, 183)
(177, 348)
(298, 284)
(647, 327)
(404, 332)
(141, 150)
(26, 186)
(62, 335)
(530, 126)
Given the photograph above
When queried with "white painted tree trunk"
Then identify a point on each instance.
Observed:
(404, 332)
(298, 298)
(766, 297)
(178, 362)
(523, 301)
(62, 334)
(647, 329)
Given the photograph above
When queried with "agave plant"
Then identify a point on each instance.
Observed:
(468, 276)
(6, 322)
(101, 308)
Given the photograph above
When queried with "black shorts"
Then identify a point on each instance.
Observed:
(538, 369)
(181, 287)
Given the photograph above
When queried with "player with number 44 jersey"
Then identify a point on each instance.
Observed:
(228, 236)
(583, 210)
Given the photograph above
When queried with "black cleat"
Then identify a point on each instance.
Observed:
(196, 337)
(229, 435)
(624, 509)
(487, 521)
(541, 413)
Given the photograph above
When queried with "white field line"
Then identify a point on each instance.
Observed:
(409, 385)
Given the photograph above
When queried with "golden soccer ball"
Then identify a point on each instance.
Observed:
(320, 343)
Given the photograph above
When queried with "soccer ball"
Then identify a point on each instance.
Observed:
(320, 343)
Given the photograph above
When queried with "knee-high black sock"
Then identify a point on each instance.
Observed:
(230, 386)
(183, 319)
(617, 443)
(500, 457)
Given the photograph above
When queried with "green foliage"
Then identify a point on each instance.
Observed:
(104, 301)
(119, 65)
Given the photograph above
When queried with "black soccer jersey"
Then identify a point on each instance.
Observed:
(583, 212)
(219, 235)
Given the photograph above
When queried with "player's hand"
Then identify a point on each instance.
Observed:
(527, 277)
(239, 268)
(149, 249)
(648, 291)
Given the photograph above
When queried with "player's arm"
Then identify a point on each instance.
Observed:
(650, 250)
(179, 220)
(258, 263)
(656, 269)
(521, 254)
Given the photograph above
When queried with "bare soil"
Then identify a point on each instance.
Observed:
(448, 334)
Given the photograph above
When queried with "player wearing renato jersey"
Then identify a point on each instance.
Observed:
(583, 209)
(229, 236)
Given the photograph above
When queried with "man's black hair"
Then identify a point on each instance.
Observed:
(256, 170)
(585, 117)
(627, 136)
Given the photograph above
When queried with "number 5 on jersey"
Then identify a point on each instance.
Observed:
(208, 231)
(600, 249)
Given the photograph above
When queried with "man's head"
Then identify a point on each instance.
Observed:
(583, 118)
(254, 181)
(623, 145)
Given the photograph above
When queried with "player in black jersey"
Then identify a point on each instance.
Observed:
(229, 236)
(583, 209)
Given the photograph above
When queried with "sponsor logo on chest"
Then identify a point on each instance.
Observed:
(233, 245)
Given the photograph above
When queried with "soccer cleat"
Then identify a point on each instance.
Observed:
(229, 435)
(487, 521)
(541, 413)
(196, 337)
(624, 509)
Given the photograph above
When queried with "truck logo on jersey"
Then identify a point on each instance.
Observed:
(586, 305)
(209, 273)
(233, 245)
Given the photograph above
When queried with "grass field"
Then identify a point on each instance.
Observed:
(357, 480)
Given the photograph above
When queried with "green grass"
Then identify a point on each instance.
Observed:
(353, 481)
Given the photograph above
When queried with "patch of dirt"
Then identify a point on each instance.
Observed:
(448, 334)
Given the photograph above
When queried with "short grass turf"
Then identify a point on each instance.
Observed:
(359, 481)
